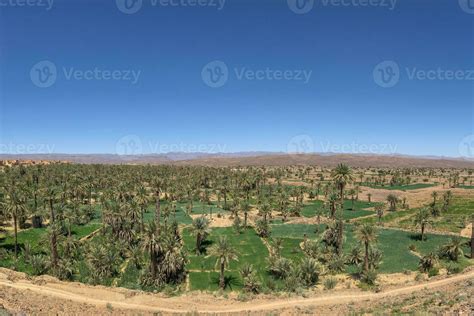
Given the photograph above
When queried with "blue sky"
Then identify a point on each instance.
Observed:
(171, 106)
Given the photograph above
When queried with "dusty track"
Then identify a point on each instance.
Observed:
(145, 302)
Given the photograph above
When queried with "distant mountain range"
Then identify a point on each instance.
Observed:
(255, 158)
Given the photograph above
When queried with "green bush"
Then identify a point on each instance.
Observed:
(39, 264)
(330, 283)
(434, 271)
(453, 268)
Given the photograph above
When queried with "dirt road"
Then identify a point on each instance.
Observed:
(135, 302)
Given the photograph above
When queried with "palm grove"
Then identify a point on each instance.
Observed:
(133, 212)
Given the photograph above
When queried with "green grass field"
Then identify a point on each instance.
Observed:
(203, 267)
(454, 219)
(310, 209)
(393, 243)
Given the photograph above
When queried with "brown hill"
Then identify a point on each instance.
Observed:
(363, 161)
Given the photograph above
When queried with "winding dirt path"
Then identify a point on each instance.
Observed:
(147, 302)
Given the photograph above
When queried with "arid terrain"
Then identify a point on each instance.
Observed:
(46, 296)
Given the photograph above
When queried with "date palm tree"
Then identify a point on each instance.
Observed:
(453, 249)
(225, 253)
(379, 209)
(393, 200)
(366, 234)
(200, 229)
(423, 220)
(15, 207)
(342, 175)
(434, 195)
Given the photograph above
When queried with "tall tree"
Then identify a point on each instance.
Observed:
(342, 175)
(15, 207)
(200, 229)
(366, 234)
(225, 253)
(423, 220)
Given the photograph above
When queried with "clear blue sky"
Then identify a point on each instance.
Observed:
(341, 104)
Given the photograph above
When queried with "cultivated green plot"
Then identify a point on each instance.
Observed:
(248, 245)
(209, 281)
(394, 244)
(180, 215)
(456, 217)
(351, 209)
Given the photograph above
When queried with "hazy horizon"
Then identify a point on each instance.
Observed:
(148, 77)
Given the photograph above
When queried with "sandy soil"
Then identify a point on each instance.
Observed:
(46, 295)
(223, 221)
(415, 198)
(467, 232)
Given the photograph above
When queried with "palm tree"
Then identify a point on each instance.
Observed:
(453, 250)
(379, 209)
(224, 252)
(15, 207)
(423, 220)
(342, 175)
(366, 234)
(142, 199)
(52, 196)
(393, 200)
(200, 229)
(428, 262)
(245, 206)
(434, 195)
(369, 197)
(151, 243)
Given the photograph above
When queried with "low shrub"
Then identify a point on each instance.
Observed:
(330, 283)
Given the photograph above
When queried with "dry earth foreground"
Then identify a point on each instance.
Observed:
(44, 295)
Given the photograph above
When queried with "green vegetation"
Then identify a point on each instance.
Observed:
(152, 227)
